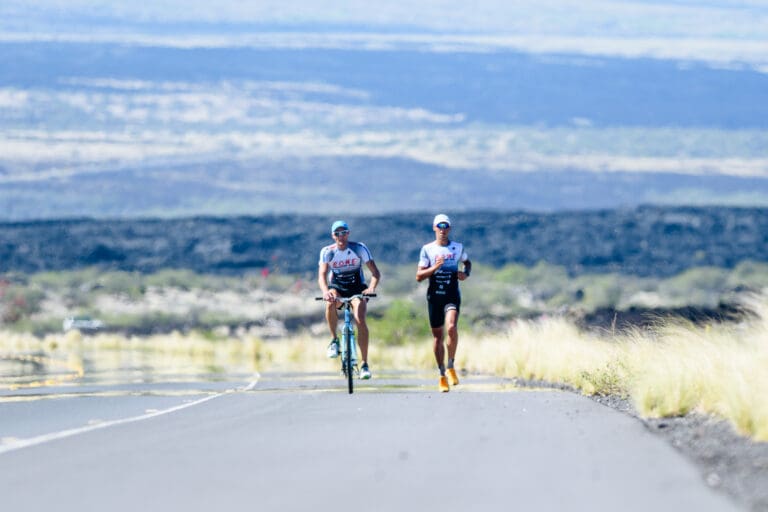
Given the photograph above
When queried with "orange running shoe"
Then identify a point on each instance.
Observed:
(444, 384)
(452, 377)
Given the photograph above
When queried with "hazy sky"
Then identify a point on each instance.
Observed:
(720, 32)
(723, 18)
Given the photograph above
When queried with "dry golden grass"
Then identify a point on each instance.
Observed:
(719, 370)
(674, 369)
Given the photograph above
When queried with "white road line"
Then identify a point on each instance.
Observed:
(53, 436)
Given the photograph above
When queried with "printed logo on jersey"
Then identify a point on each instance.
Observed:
(349, 262)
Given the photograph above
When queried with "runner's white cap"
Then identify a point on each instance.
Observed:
(441, 217)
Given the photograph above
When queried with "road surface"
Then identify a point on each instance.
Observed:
(298, 442)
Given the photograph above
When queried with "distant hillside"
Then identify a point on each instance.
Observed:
(646, 241)
(102, 129)
(312, 187)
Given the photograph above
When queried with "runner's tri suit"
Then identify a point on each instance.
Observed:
(443, 293)
(345, 268)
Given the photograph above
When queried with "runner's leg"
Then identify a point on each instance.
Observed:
(359, 308)
(451, 321)
(439, 348)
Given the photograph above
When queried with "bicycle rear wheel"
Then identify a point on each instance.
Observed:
(346, 334)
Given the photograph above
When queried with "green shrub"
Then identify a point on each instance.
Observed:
(601, 291)
(702, 286)
(400, 323)
(129, 284)
(19, 302)
(174, 278)
(65, 280)
(511, 274)
(397, 280)
(749, 274)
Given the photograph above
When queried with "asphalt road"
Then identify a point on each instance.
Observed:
(300, 442)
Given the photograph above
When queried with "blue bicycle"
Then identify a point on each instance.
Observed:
(347, 341)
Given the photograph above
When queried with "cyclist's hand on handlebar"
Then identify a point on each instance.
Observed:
(329, 296)
(369, 291)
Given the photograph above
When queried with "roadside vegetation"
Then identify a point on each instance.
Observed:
(673, 369)
(520, 323)
(182, 300)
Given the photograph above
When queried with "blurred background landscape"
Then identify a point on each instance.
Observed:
(599, 157)
(169, 172)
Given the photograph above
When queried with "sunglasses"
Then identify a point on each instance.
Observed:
(443, 225)
(340, 233)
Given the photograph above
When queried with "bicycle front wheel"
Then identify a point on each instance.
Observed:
(346, 334)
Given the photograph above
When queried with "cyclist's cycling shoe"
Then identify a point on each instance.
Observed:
(365, 372)
(333, 349)
(444, 384)
(452, 377)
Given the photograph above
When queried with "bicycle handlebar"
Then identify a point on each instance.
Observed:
(347, 299)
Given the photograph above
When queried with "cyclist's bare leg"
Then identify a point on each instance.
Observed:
(451, 321)
(331, 318)
(359, 309)
(439, 348)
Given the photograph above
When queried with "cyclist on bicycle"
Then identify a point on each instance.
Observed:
(439, 261)
(340, 274)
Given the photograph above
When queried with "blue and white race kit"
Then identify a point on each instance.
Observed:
(345, 268)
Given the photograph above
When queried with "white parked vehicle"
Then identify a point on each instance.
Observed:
(82, 323)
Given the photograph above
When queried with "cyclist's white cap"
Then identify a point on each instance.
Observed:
(339, 224)
(441, 217)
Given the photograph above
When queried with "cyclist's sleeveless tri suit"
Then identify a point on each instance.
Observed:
(345, 268)
(443, 292)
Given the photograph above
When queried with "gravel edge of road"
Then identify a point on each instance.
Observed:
(728, 462)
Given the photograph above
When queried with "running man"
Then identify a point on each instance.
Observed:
(439, 261)
(340, 274)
